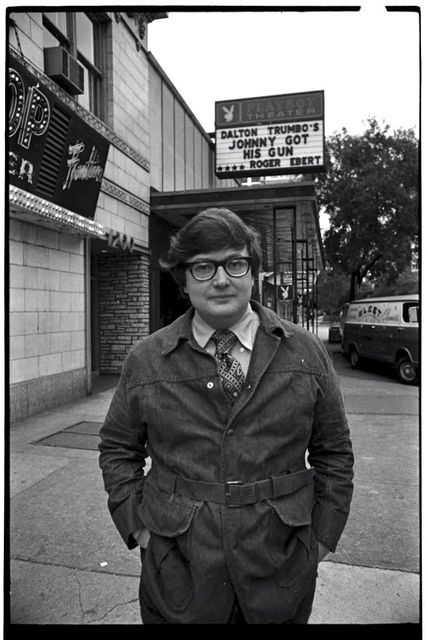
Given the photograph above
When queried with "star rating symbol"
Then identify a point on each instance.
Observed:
(228, 168)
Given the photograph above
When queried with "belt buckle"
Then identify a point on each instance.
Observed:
(227, 492)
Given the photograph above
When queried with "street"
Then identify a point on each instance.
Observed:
(70, 566)
(383, 414)
(382, 531)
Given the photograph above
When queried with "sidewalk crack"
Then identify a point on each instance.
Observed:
(119, 604)
(80, 598)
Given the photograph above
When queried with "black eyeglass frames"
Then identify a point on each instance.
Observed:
(206, 270)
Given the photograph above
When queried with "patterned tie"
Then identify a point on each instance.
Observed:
(231, 373)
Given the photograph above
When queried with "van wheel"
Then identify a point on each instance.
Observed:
(354, 358)
(406, 371)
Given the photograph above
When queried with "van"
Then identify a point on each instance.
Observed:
(386, 330)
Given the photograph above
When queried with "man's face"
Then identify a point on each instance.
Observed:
(223, 300)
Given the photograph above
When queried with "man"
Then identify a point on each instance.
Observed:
(251, 461)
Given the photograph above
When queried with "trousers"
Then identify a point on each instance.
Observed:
(301, 615)
(150, 615)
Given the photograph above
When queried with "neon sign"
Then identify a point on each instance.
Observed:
(27, 113)
(53, 153)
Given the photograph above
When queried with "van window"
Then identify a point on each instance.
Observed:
(410, 312)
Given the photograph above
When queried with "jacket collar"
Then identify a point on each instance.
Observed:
(181, 329)
(271, 322)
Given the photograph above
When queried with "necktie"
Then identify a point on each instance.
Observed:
(231, 373)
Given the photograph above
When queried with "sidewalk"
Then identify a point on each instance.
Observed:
(70, 566)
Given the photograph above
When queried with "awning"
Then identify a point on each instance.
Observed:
(260, 203)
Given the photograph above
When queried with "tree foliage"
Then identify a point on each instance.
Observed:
(406, 283)
(370, 191)
(333, 291)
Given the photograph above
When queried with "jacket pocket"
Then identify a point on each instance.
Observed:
(295, 509)
(166, 515)
(292, 543)
(167, 560)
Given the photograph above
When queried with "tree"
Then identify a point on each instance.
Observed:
(406, 283)
(333, 291)
(370, 191)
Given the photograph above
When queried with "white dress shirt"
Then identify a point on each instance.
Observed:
(245, 330)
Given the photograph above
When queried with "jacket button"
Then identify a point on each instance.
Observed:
(210, 385)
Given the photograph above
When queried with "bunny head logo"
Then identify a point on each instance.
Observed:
(228, 113)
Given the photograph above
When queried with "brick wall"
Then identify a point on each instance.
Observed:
(123, 285)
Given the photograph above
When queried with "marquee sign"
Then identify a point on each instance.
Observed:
(53, 153)
(270, 135)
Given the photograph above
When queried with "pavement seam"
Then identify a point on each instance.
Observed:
(39, 481)
(371, 566)
(389, 484)
(73, 568)
(137, 577)
(362, 413)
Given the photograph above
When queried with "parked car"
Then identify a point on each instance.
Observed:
(335, 333)
(384, 329)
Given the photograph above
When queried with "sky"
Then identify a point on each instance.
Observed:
(366, 62)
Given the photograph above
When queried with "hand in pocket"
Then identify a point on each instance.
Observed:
(142, 536)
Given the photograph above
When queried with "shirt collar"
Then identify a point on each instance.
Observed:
(244, 329)
(181, 329)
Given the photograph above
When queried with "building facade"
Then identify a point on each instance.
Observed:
(105, 160)
(84, 83)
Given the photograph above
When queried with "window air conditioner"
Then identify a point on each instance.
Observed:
(64, 69)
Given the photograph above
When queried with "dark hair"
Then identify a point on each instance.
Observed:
(210, 230)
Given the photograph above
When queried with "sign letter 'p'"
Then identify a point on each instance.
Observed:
(36, 117)
(17, 100)
(29, 114)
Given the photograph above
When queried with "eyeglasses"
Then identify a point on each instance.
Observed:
(234, 267)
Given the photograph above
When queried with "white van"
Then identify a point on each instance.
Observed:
(384, 329)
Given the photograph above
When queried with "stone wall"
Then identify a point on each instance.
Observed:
(123, 287)
(45, 393)
(47, 315)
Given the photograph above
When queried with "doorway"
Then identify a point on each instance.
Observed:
(286, 217)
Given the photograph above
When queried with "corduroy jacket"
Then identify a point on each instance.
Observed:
(236, 498)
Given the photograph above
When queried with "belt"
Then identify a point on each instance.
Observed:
(233, 493)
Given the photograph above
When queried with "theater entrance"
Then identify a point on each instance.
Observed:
(286, 217)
